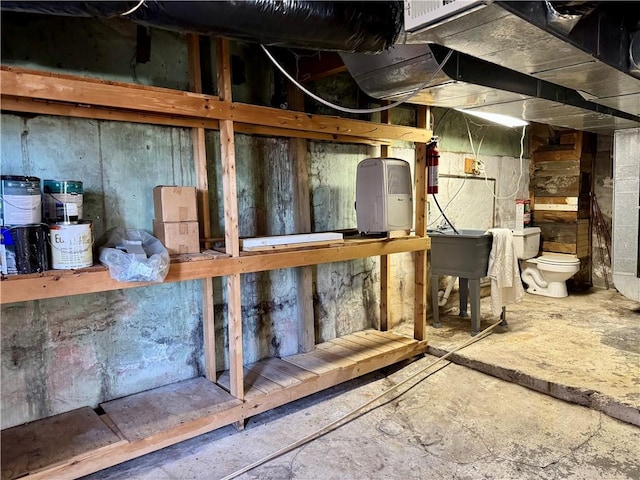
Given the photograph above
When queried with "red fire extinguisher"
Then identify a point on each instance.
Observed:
(433, 158)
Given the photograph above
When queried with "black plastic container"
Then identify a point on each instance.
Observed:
(30, 247)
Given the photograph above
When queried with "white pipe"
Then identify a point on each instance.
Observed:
(533, 278)
(444, 296)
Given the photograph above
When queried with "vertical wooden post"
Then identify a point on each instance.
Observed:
(385, 260)
(202, 187)
(232, 242)
(302, 224)
(420, 258)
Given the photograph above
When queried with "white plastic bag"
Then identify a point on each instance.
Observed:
(130, 267)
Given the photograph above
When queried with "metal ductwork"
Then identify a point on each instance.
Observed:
(468, 82)
(589, 48)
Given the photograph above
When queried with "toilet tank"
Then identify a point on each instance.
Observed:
(526, 242)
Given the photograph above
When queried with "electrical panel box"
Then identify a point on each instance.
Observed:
(384, 200)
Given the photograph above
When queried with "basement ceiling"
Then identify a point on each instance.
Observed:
(525, 59)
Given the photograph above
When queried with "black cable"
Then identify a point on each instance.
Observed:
(442, 213)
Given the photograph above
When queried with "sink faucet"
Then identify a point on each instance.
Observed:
(444, 225)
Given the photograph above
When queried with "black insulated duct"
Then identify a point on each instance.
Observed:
(338, 26)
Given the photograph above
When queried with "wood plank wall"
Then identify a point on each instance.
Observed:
(560, 191)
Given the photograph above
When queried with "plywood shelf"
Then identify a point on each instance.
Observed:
(80, 442)
(58, 283)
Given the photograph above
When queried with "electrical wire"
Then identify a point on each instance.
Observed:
(442, 213)
(631, 59)
(357, 411)
(130, 11)
(340, 108)
(476, 154)
(515, 192)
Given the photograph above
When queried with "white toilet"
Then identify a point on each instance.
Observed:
(548, 274)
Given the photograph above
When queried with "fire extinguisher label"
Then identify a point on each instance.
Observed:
(432, 180)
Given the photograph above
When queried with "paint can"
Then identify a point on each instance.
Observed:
(62, 201)
(20, 200)
(71, 245)
(30, 248)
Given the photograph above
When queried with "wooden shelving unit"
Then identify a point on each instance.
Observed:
(82, 441)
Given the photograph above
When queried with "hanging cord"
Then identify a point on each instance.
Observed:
(357, 110)
(442, 213)
(130, 11)
(515, 192)
(359, 411)
(476, 155)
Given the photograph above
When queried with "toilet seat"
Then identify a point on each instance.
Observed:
(557, 260)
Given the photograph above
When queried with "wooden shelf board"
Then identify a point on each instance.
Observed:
(46, 107)
(211, 263)
(77, 443)
(331, 363)
(33, 446)
(31, 84)
(144, 414)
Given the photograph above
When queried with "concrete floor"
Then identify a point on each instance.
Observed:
(458, 422)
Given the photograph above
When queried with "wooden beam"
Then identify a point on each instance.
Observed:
(556, 216)
(302, 224)
(122, 96)
(204, 218)
(311, 68)
(28, 105)
(420, 257)
(385, 260)
(558, 247)
(232, 241)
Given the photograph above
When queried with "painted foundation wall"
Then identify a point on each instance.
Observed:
(61, 354)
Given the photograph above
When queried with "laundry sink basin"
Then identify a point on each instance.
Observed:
(464, 254)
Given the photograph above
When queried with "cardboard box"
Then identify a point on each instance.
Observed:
(175, 204)
(178, 237)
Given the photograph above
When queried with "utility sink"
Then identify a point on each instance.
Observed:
(463, 254)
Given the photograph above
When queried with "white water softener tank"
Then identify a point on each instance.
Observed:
(384, 199)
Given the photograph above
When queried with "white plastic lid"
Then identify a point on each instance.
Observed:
(525, 231)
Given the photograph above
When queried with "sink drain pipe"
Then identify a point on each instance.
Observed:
(358, 412)
(442, 299)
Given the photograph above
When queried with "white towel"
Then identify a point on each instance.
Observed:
(503, 271)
